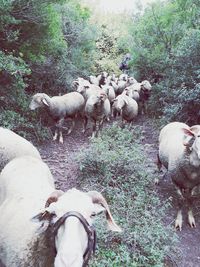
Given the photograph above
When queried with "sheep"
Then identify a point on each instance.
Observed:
(134, 94)
(60, 108)
(127, 107)
(109, 90)
(33, 229)
(124, 81)
(80, 81)
(86, 91)
(179, 152)
(140, 92)
(94, 80)
(102, 78)
(97, 108)
(12, 145)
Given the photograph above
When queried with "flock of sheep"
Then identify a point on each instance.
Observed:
(95, 99)
(42, 226)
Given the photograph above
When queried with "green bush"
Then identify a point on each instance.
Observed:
(115, 164)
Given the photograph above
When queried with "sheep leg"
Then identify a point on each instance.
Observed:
(179, 220)
(94, 132)
(55, 135)
(85, 122)
(59, 125)
(72, 127)
(191, 219)
(179, 217)
(61, 136)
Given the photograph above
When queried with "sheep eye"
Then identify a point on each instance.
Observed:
(93, 214)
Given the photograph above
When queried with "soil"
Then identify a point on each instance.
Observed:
(61, 158)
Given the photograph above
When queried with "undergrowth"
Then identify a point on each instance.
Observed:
(115, 164)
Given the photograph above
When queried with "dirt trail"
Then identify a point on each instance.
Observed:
(61, 160)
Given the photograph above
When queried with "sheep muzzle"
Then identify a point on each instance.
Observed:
(90, 230)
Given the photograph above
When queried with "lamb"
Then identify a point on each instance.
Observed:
(12, 145)
(42, 226)
(97, 108)
(60, 108)
(179, 152)
(127, 107)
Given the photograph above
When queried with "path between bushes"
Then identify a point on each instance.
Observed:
(62, 161)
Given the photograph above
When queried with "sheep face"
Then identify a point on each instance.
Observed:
(119, 103)
(71, 239)
(192, 141)
(37, 101)
(146, 85)
(131, 80)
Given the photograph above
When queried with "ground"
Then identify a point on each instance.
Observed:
(62, 162)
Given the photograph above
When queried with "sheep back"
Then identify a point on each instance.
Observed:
(12, 145)
(67, 105)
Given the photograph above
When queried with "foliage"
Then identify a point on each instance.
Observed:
(44, 45)
(115, 164)
(166, 51)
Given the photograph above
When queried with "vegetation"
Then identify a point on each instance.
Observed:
(45, 45)
(166, 51)
(115, 165)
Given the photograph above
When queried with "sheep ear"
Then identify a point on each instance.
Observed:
(125, 100)
(45, 102)
(189, 138)
(188, 132)
(53, 197)
(97, 198)
(195, 129)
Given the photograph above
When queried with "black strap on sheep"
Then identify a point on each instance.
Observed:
(90, 230)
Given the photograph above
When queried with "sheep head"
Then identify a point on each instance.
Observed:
(146, 85)
(39, 100)
(192, 142)
(71, 238)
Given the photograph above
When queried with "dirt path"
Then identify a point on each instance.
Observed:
(61, 160)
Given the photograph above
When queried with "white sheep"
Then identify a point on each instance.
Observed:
(88, 90)
(126, 106)
(109, 90)
(94, 80)
(179, 152)
(97, 109)
(140, 92)
(32, 212)
(124, 82)
(60, 108)
(12, 145)
(80, 81)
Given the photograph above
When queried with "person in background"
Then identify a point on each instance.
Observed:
(124, 64)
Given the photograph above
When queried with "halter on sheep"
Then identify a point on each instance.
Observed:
(90, 230)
